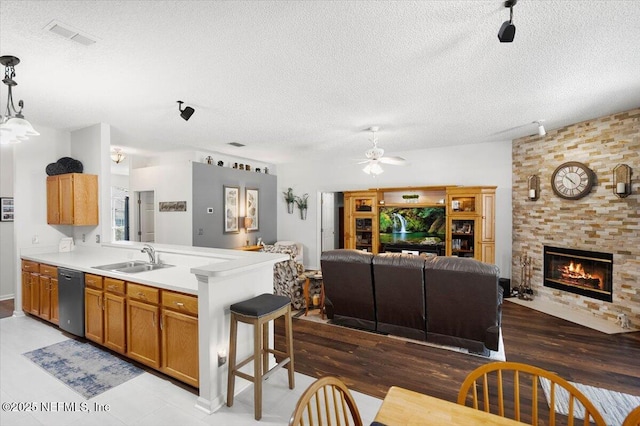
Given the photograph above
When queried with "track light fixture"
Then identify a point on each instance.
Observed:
(13, 126)
(508, 30)
(185, 113)
(541, 129)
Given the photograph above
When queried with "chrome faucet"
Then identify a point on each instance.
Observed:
(151, 252)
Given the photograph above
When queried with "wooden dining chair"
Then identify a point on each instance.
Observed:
(633, 418)
(327, 401)
(490, 386)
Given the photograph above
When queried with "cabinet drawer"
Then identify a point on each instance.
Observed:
(93, 281)
(30, 266)
(180, 302)
(48, 270)
(142, 292)
(114, 286)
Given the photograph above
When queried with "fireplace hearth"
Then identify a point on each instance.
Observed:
(582, 272)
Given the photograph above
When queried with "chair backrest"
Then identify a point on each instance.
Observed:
(327, 401)
(633, 418)
(506, 394)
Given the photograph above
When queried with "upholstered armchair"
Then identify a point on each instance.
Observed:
(288, 276)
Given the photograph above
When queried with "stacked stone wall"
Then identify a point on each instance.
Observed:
(598, 222)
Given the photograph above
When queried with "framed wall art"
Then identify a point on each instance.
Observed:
(251, 208)
(6, 209)
(231, 204)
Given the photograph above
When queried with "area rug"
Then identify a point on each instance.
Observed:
(499, 355)
(614, 406)
(83, 367)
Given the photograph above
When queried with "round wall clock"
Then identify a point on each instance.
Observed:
(572, 180)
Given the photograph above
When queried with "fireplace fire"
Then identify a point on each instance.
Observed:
(578, 271)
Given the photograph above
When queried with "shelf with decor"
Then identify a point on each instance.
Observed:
(361, 220)
(471, 222)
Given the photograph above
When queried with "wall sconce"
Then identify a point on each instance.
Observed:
(622, 180)
(117, 156)
(533, 186)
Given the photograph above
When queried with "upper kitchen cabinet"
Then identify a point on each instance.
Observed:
(72, 199)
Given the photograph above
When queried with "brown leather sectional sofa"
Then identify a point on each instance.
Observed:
(446, 300)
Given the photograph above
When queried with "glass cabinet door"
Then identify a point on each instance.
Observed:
(364, 234)
(463, 237)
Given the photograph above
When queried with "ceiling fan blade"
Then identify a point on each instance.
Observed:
(396, 161)
(363, 161)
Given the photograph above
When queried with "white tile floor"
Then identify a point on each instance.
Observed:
(144, 400)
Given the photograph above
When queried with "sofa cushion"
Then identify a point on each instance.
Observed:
(348, 284)
(463, 302)
(400, 301)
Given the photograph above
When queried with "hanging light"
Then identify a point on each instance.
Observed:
(373, 168)
(117, 155)
(13, 126)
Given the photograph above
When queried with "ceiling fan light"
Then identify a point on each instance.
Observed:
(373, 168)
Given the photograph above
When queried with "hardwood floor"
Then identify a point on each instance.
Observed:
(371, 363)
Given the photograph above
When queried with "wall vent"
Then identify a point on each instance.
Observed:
(70, 33)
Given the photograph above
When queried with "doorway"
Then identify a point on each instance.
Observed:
(331, 230)
(144, 215)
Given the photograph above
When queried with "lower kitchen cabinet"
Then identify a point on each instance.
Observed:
(143, 324)
(179, 327)
(115, 323)
(40, 290)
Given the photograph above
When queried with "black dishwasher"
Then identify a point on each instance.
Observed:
(71, 301)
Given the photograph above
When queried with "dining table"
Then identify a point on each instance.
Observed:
(403, 407)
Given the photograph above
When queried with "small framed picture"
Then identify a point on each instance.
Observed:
(231, 203)
(6, 209)
(252, 208)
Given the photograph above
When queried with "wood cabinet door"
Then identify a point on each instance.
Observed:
(93, 315)
(26, 292)
(55, 311)
(115, 322)
(45, 297)
(35, 294)
(66, 199)
(180, 346)
(53, 200)
(488, 217)
(143, 333)
(85, 199)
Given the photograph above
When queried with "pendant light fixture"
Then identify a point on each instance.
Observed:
(13, 126)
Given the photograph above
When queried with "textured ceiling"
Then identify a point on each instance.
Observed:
(295, 79)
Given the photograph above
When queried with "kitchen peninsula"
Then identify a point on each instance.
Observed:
(218, 278)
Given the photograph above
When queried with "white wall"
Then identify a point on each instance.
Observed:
(7, 267)
(478, 164)
(170, 182)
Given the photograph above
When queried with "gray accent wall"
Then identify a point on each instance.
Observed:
(208, 183)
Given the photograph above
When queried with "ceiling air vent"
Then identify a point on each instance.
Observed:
(68, 32)
(238, 144)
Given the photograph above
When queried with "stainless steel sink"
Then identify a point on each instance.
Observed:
(133, 266)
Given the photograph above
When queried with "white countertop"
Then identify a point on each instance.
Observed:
(188, 262)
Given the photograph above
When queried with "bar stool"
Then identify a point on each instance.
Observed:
(258, 311)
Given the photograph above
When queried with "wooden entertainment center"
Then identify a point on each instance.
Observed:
(445, 220)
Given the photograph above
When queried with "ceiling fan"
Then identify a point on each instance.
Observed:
(375, 156)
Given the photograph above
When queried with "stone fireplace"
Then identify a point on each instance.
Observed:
(600, 221)
(586, 273)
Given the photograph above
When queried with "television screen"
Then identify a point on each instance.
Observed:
(414, 225)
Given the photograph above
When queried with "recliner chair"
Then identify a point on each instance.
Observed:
(347, 276)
